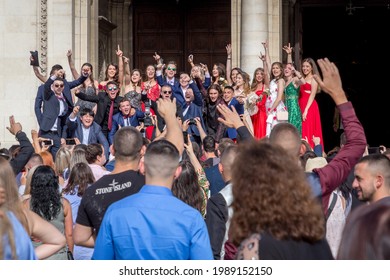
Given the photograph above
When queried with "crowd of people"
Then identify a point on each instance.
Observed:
(201, 165)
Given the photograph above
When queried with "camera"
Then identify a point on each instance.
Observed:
(70, 141)
(192, 121)
(47, 142)
(148, 116)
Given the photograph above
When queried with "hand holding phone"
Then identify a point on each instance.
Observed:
(70, 141)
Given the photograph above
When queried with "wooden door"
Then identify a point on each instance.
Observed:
(175, 29)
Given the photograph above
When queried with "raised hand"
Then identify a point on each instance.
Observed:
(331, 81)
(14, 127)
(288, 49)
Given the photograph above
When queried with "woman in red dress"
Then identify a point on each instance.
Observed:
(311, 120)
(260, 86)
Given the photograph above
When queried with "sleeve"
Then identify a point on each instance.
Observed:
(47, 89)
(244, 134)
(104, 249)
(38, 104)
(198, 100)
(207, 82)
(91, 98)
(216, 219)
(200, 248)
(77, 82)
(160, 79)
(113, 130)
(82, 215)
(103, 140)
(26, 150)
(334, 173)
(205, 188)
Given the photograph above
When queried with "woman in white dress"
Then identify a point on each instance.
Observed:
(241, 92)
(274, 103)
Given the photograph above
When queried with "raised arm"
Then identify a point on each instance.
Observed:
(167, 110)
(267, 56)
(26, 148)
(119, 54)
(288, 49)
(229, 63)
(36, 71)
(75, 74)
(266, 66)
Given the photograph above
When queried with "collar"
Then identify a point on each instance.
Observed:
(153, 189)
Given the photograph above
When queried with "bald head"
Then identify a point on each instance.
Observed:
(287, 136)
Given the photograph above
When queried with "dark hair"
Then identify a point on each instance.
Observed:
(93, 151)
(127, 143)
(54, 68)
(91, 75)
(215, 87)
(81, 176)
(158, 152)
(209, 144)
(229, 87)
(186, 186)
(112, 83)
(45, 194)
(86, 111)
(116, 77)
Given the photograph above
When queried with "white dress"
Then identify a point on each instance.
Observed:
(273, 94)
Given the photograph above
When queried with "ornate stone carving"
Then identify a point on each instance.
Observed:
(43, 37)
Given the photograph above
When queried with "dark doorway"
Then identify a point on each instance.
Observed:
(174, 29)
(356, 43)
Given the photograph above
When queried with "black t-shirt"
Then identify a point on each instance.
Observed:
(107, 190)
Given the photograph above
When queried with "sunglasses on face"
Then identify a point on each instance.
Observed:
(173, 69)
(112, 88)
(167, 91)
(59, 85)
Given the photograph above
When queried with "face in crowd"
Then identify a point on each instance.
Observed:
(112, 91)
(170, 71)
(166, 92)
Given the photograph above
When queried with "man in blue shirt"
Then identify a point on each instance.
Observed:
(153, 224)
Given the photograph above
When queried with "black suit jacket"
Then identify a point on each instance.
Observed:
(103, 101)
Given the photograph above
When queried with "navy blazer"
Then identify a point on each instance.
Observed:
(162, 81)
(117, 120)
(95, 133)
(231, 132)
(193, 112)
(103, 101)
(178, 94)
(39, 99)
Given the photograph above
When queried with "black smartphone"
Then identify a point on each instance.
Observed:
(70, 141)
(374, 150)
(185, 136)
(35, 61)
(47, 142)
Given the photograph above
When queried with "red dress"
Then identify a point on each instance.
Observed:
(259, 119)
(153, 94)
(312, 125)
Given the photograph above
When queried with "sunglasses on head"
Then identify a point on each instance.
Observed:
(167, 91)
(173, 69)
(112, 88)
(59, 85)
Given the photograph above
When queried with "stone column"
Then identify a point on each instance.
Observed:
(254, 30)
